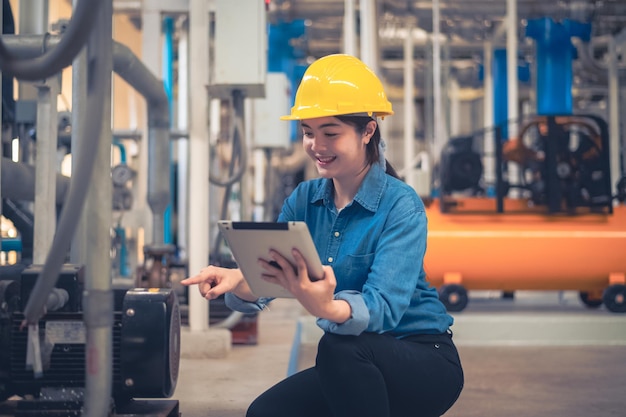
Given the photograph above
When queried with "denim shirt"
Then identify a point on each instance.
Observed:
(376, 247)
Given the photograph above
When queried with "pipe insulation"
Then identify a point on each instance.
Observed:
(18, 182)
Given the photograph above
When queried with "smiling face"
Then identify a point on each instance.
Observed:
(337, 148)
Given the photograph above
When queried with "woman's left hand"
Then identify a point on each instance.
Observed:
(316, 296)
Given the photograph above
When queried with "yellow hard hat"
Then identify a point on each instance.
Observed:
(336, 85)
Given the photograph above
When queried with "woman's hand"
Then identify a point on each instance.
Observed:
(316, 296)
(214, 281)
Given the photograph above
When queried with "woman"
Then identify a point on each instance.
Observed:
(387, 349)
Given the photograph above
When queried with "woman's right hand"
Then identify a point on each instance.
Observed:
(214, 281)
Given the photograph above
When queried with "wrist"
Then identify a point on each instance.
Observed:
(339, 311)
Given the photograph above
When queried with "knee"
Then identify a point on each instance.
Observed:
(334, 348)
(257, 409)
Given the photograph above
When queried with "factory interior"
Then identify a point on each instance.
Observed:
(130, 127)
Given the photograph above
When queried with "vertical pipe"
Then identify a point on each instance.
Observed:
(98, 294)
(183, 143)
(45, 174)
(555, 54)
(454, 91)
(409, 87)
(198, 157)
(429, 130)
(349, 28)
(488, 117)
(1, 138)
(512, 87)
(438, 120)
(614, 118)
(369, 34)
(151, 30)
(79, 101)
(511, 67)
(168, 81)
(33, 20)
(500, 93)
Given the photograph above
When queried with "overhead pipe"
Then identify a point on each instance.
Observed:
(49, 62)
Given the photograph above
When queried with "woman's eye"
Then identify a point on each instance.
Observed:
(308, 134)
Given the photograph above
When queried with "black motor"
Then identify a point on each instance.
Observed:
(146, 340)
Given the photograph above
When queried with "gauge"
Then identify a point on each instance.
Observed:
(121, 174)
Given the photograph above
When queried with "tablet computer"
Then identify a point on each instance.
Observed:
(249, 241)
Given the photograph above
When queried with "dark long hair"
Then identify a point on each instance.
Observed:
(373, 153)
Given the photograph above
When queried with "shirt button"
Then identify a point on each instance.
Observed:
(330, 259)
(336, 234)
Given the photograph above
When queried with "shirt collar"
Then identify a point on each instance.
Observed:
(369, 194)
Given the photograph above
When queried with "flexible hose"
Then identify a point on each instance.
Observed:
(237, 132)
(54, 60)
(72, 209)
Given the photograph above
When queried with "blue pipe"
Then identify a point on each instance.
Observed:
(122, 149)
(500, 92)
(168, 79)
(11, 244)
(555, 54)
(282, 56)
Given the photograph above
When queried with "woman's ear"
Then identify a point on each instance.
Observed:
(370, 128)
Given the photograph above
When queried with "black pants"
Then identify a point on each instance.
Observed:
(370, 375)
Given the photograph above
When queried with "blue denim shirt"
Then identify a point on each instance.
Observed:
(376, 247)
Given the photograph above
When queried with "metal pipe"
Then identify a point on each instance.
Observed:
(46, 146)
(18, 182)
(51, 62)
(199, 200)
(369, 34)
(488, 114)
(512, 86)
(79, 249)
(614, 122)
(135, 73)
(439, 139)
(183, 142)
(98, 293)
(349, 28)
(409, 91)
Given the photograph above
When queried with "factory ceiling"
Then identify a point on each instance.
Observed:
(465, 25)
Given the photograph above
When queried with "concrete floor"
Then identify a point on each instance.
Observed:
(539, 355)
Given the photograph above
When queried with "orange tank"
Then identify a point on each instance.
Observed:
(475, 248)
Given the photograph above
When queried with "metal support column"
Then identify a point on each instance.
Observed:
(409, 106)
(183, 143)
(488, 117)
(512, 87)
(349, 28)
(614, 118)
(369, 34)
(440, 136)
(198, 157)
(45, 174)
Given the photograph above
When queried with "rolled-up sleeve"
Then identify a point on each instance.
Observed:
(358, 320)
(237, 304)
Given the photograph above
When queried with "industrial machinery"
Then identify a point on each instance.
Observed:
(146, 348)
(555, 226)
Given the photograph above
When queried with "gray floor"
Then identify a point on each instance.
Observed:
(537, 355)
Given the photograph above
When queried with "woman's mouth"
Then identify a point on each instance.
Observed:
(325, 160)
